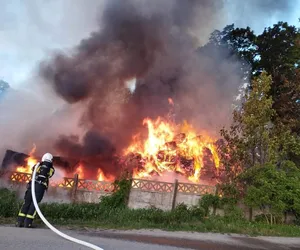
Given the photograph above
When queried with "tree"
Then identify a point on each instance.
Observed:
(279, 50)
(238, 42)
(275, 51)
(288, 104)
(261, 150)
(256, 154)
(247, 142)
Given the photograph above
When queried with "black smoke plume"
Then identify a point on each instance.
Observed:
(155, 42)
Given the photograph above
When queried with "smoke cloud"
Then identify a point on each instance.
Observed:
(155, 43)
(79, 105)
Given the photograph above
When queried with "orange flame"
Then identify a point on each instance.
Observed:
(30, 162)
(167, 144)
(79, 171)
(100, 176)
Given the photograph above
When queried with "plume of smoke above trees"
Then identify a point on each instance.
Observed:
(153, 41)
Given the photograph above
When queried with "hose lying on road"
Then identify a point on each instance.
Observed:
(49, 225)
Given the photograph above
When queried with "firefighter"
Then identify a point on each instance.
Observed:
(44, 172)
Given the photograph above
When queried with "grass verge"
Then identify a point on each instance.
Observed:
(78, 216)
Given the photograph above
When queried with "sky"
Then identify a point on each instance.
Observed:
(31, 29)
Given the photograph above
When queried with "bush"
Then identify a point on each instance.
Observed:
(273, 189)
(85, 211)
(9, 203)
(233, 212)
(297, 220)
(123, 216)
(119, 198)
(181, 212)
(197, 212)
(209, 201)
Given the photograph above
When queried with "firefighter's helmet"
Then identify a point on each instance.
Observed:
(47, 157)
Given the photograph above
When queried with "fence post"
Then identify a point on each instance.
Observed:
(74, 189)
(129, 191)
(174, 194)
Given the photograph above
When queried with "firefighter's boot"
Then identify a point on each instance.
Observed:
(28, 223)
(19, 224)
(20, 221)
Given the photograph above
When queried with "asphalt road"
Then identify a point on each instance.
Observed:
(39, 239)
(12, 238)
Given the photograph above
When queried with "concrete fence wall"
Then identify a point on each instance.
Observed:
(143, 193)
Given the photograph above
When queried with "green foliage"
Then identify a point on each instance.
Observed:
(259, 150)
(85, 211)
(153, 216)
(229, 193)
(273, 189)
(228, 203)
(197, 212)
(233, 212)
(248, 142)
(297, 219)
(209, 201)
(288, 105)
(181, 211)
(9, 203)
(275, 51)
(262, 218)
(278, 48)
(120, 197)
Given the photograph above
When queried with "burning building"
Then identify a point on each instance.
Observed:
(165, 148)
(144, 60)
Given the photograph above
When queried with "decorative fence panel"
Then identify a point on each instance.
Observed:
(154, 186)
(20, 177)
(187, 188)
(95, 186)
(66, 183)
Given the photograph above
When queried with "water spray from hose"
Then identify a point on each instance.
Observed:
(48, 224)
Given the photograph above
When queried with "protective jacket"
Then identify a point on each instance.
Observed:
(44, 172)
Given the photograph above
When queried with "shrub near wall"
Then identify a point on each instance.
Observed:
(122, 216)
(9, 203)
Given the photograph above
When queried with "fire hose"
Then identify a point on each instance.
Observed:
(49, 225)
